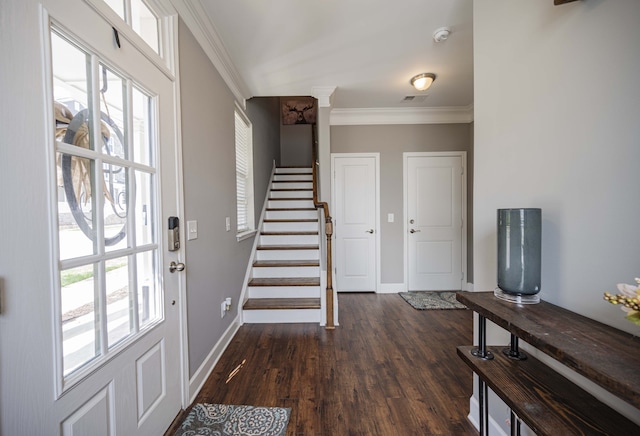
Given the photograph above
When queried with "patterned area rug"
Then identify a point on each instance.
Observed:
(222, 420)
(432, 300)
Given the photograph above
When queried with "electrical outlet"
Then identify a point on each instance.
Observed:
(223, 309)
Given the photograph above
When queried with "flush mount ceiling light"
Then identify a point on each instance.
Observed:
(441, 34)
(423, 81)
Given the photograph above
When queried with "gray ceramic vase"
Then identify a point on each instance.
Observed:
(519, 251)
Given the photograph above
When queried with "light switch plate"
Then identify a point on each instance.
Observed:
(390, 218)
(192, 230)
(227, 223)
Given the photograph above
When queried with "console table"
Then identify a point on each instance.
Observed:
(546, 401)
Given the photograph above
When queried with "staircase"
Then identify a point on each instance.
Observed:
(285, 277)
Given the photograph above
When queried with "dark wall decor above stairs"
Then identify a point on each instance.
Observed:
(285, 278)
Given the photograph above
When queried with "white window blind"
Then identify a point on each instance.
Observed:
(244, 175)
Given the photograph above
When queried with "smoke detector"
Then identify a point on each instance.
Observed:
(441, 34)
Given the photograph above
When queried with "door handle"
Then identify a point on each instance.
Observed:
(173, 267)
(369, 231)
(413, 231)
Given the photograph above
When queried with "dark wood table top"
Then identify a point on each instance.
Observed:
(603, 354)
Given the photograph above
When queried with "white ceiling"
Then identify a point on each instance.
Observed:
(367, 49)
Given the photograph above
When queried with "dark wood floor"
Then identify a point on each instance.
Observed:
(388, 369)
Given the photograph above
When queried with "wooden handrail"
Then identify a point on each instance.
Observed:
(328, 229)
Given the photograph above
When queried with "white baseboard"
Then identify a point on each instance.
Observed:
(469, 287)
(391, 288)
(474, 418)
(197, 381)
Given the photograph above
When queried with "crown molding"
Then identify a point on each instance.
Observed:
(424, 115)
(194, 16)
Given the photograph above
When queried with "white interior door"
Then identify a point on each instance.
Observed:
(434, 187)
(355, 205)
(103, 339)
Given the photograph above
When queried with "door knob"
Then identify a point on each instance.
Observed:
(173, 267)
(369, 231)
(413, 231)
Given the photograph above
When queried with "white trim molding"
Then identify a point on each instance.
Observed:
(324, 94)
(424, 115)
(201, 375)
(195, 17)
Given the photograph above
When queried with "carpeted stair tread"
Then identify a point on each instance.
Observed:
(285, 263)
(288, 247)
(281, 303)
(285, 281)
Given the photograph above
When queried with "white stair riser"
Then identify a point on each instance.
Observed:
(291, 227)
(294, 170)
(260, 272)
(289, 239)
(288, 254)
(293, 185)
(297, 177)
(283, 291)
(290, 204)
(292, 194)
(291, 214)
(281, 316)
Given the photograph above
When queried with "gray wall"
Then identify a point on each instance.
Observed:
(216, 262)
(556, 127)
(295, 146)
(567, 144)
(264, 113)
(391, 141)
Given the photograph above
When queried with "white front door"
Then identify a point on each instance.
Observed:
(356, 226)
(434, 221)
(99, 350)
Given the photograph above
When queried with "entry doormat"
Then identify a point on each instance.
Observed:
(226, 420)
(423, 300)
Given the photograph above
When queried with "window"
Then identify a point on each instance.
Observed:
(107, 205)
(141, 18)
(244, 176)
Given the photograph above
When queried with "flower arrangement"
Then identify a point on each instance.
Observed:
(629, 298)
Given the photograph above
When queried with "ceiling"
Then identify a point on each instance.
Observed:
(367, 49)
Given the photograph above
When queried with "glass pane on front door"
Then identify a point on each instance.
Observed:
(149, 304)
(80, 327)
(107, 206)
(142, 137)
(119, 300)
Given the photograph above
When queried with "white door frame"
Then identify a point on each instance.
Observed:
(182, 278)
(376, 157)
(405, 181)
